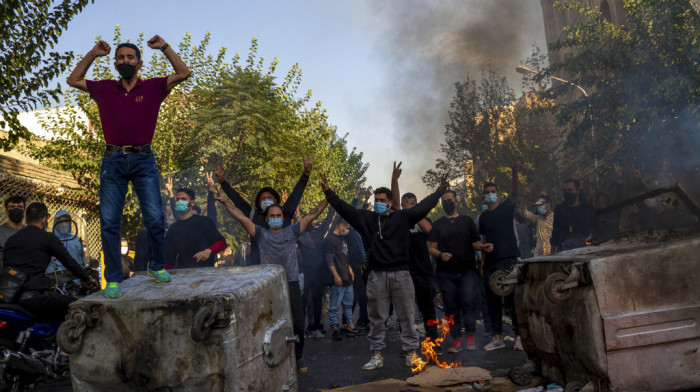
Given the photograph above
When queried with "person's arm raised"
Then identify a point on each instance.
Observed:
(313, 214)
(76, 79)
(395, 174)
(422, 209)
(290, 206)
(181, 71)
(247, 224)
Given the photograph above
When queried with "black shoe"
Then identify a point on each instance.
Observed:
(351, 332)
(438, 350)
(337, 335)
(403, 353)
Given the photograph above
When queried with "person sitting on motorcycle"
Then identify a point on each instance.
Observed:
(30, 251)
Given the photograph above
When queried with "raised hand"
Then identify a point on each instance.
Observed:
(169, 187)
(324, 182)
(368, 194)
(284, 196)
(101, 49)
(396, 172)
(636, 173)
(579, 173)
(219, 173)
(444, 183)
(218, 197)
(358, 189)
(526, 191)
(156, 42)
(618, 169)
(210, 181)
(307, 165)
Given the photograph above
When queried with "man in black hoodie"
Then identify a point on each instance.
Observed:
(385, 233)
(266, 197)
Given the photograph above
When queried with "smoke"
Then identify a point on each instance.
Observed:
(429, 46)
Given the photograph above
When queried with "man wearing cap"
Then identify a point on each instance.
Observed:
(128, 112)
(543, 220)
(63, 229)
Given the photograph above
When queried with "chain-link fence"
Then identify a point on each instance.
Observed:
(83, 209)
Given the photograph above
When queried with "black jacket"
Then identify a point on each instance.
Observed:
(386, 237)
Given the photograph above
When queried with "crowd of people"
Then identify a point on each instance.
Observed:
(373, 262)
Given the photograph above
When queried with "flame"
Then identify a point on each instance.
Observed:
(428, 347)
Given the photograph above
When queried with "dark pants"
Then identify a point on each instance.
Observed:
(495, 302)
(460, 293)
(423, 285)
(359, 288)
(297, 304)
(47, 306)
(116, 172)
(313, 288)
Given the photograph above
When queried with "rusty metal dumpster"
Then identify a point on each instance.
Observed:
(210, 329)
(619, 316)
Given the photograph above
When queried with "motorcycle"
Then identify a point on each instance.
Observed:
(29, 352)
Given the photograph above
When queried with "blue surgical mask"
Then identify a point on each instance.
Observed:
(266, 203)
(182, 206)
(484, 207)
(491, 198)
(275, 223)
(380, 208)
(541, 209)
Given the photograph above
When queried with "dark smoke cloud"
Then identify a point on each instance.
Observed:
(430, 45)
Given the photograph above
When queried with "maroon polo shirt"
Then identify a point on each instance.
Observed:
(128, 118)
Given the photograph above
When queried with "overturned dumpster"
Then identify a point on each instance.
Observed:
(210, 329)
(622, 314)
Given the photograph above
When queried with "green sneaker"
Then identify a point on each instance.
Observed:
(161, 276)
(113, 290)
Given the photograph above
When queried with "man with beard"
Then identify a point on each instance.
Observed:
(129, 112)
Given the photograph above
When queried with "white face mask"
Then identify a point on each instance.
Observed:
(125, 250)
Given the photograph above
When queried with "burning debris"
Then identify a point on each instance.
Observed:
(428, 347)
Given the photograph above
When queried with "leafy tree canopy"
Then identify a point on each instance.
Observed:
(29, 29)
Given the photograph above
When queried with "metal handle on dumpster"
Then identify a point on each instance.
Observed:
(292, 339)
(558, 286)
(203, 320)
(70, 333)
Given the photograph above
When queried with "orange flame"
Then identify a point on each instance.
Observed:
(428, 347)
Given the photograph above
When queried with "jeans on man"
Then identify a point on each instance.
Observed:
(423, 285)
(116, 172)
(384, 288)
(495, 302)
(340, 295)
(460, 291)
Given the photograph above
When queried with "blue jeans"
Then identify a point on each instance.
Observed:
(344, 295)
(116, 172)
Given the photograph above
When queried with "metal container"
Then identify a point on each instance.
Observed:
(619, 316)
(210, 329)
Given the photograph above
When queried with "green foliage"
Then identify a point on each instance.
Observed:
(228, 112)
(486, 132)
(643, 79)
(28, 30)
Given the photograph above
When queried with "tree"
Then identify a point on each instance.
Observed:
(226, 112)
(643, 81)
(28, 28)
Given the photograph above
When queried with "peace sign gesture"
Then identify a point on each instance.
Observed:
(210, 181)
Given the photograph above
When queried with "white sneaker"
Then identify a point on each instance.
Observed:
(518, 345)
(494, 345)
(317, 334)
(409, 357)
(374, 363)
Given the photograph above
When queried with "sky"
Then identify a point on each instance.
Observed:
(384, 70)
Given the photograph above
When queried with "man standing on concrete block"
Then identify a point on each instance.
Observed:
(129, 112)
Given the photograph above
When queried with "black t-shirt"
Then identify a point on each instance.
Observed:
(455, 236)
(418, 256)
(335, 251)
(497, 226)
(572, 225)
(187, 237)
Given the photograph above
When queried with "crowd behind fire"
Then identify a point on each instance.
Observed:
(388, 264)
(375, 262)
